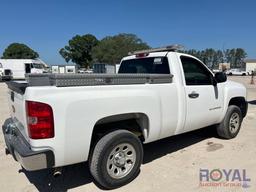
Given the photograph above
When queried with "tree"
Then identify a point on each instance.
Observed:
(218, 58)
(209, 57)
(112, 49)
(194, 53)
(19, 51)
(79, 49)
(235, 57)
(240, 55)
(212, 58)
(227, 55)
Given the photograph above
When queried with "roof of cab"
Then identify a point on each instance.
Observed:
(161, 51)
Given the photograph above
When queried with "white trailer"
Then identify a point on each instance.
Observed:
(104, 68)
(55, 69)
(64, 68)
(250, 66)
(20, 67)
(61, 69)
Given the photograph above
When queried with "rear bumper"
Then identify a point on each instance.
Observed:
(21, 150)
(6, 77)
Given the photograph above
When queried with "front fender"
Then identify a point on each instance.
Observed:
(233, 90)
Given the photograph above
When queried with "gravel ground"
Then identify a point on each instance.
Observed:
(172, 164)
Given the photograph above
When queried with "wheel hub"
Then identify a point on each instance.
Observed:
(234, 123)
(119, 159)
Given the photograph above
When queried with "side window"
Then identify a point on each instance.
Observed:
(195, 73)
(156, 65)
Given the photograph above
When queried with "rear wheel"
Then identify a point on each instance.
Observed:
(116, 159)
(230, 126)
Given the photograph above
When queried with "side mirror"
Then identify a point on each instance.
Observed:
(220, 77)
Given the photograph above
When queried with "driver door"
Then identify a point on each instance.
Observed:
(203, 99)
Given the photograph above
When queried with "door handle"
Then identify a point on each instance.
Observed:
(193, 95)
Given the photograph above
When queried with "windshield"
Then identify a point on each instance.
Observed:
(37, 66)
(153, 65)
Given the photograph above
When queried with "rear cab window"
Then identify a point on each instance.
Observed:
(150, 65)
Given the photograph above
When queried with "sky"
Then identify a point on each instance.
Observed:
(47, 25)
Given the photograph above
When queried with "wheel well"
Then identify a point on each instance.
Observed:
(239, 102)
(138, 123)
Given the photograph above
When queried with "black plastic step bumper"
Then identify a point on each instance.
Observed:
(21, 150)
(6, 77)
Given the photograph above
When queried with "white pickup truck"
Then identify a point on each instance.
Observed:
(236, 72)
(63, 119)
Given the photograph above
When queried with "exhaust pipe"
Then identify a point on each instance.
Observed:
(7, 152)
(57, 172)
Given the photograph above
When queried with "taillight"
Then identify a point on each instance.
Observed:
(139, 55)
(39, 120)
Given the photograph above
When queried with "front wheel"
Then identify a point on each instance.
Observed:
(230, 126)
(116, 159)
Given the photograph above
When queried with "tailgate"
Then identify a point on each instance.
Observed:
(17, 107)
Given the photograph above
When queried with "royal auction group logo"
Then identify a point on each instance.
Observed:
(224, 178)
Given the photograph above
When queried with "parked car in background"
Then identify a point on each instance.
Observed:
(84, 70)
(216, 70)
(236, 72)
(81, 70)
(89, 71)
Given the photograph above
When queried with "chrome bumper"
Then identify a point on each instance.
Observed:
(21, 150)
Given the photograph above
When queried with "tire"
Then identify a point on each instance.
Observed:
(116, 159)
(226, 129)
